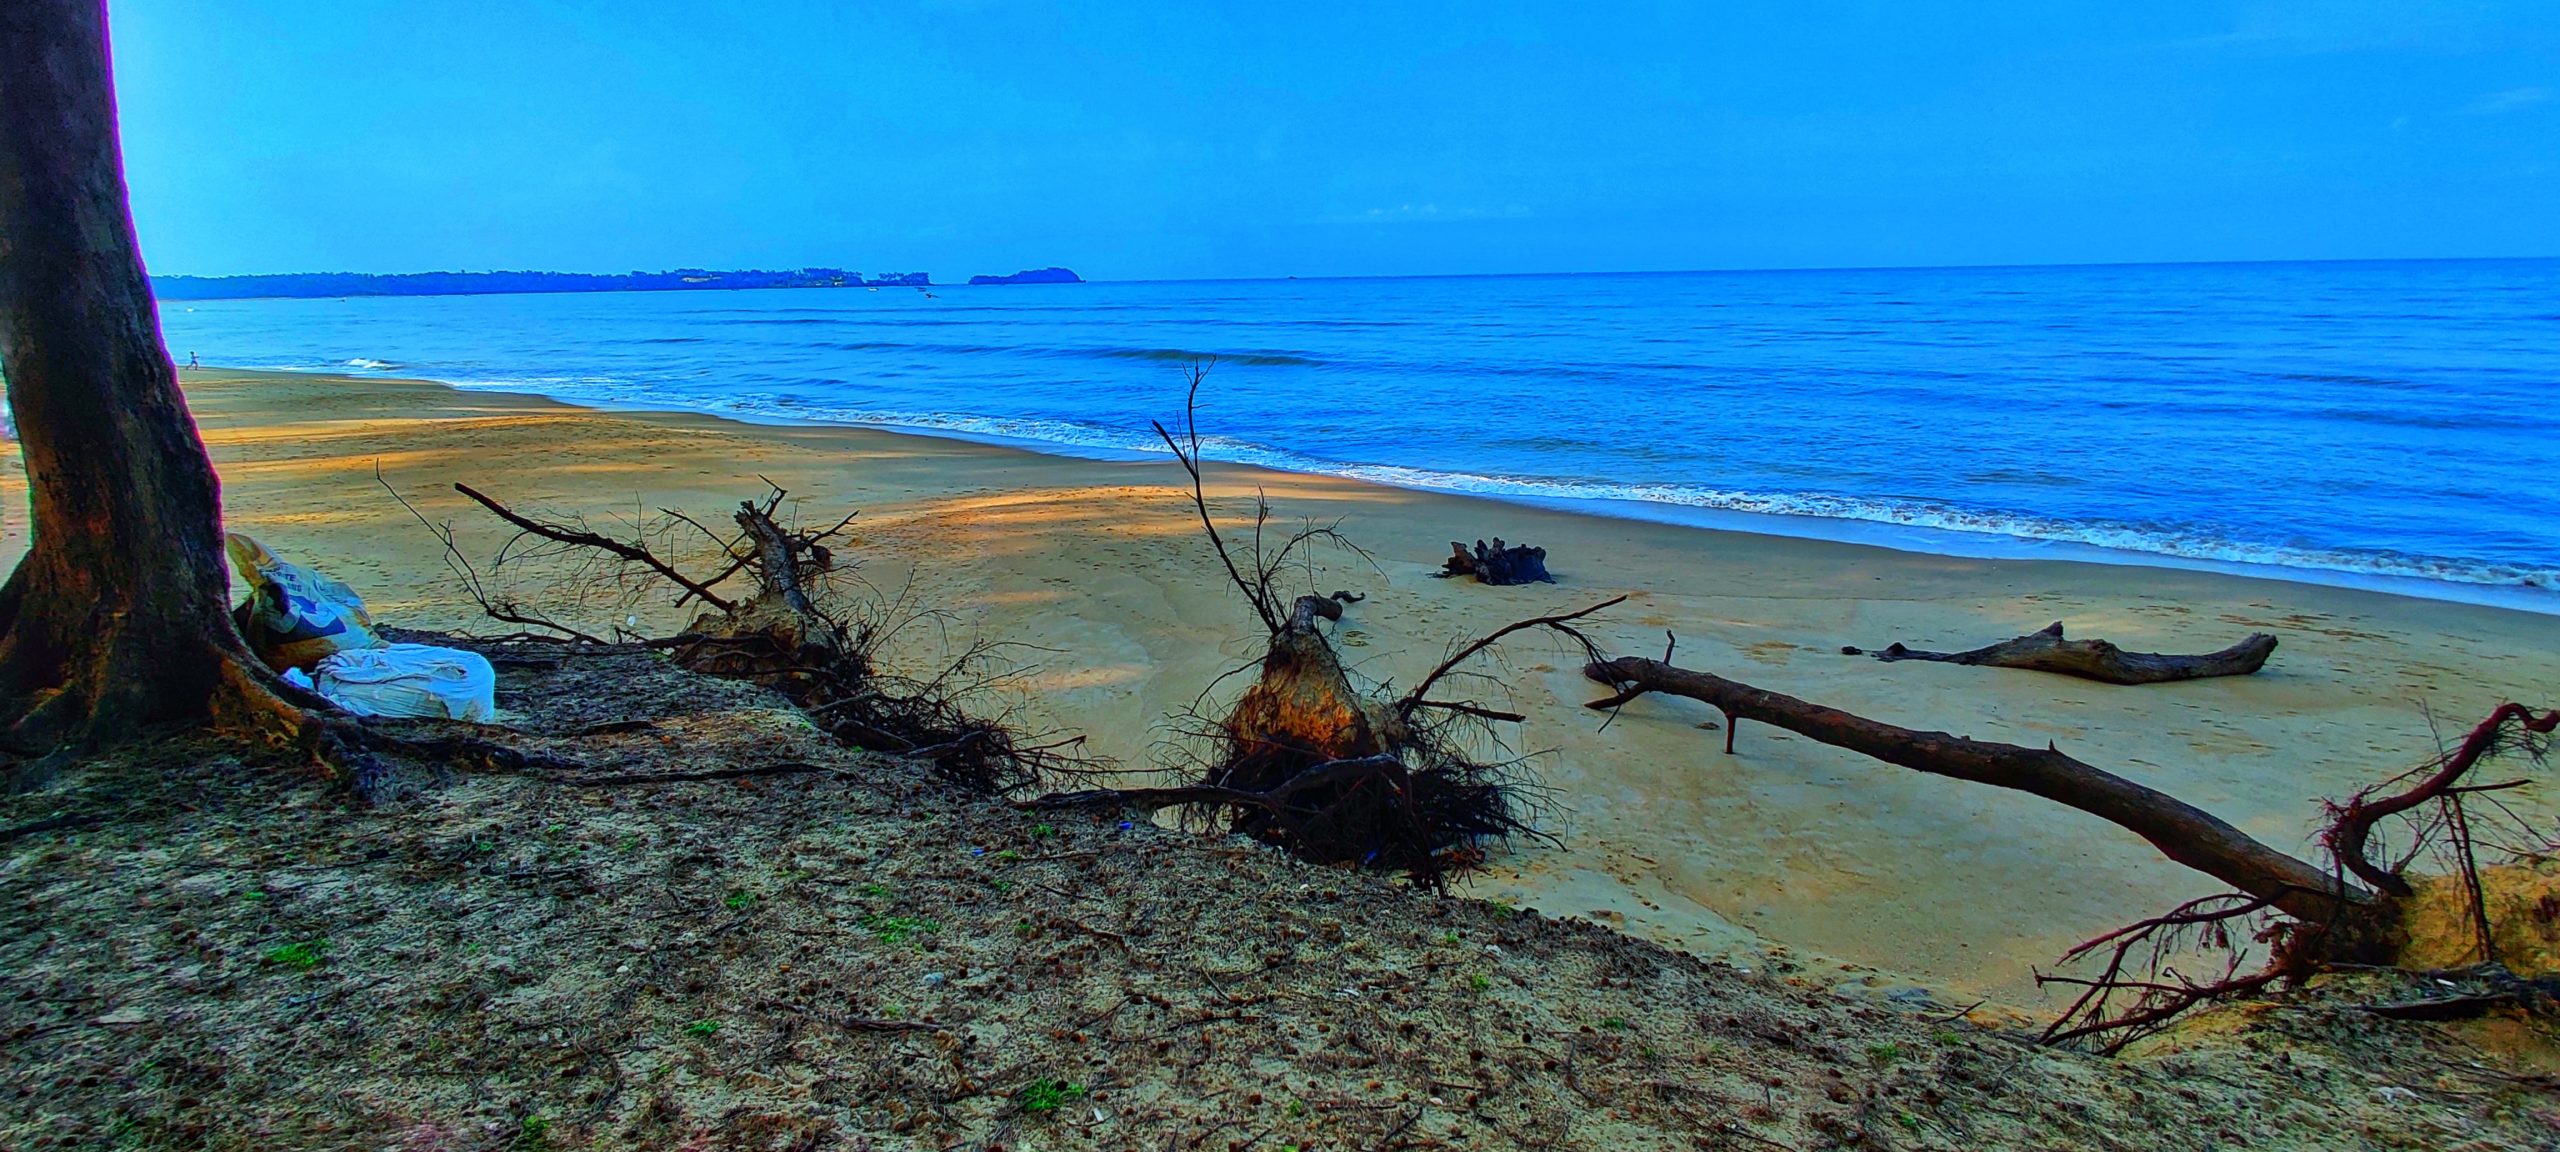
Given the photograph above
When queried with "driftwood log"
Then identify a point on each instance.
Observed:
(2047, 651)
(1500, 564)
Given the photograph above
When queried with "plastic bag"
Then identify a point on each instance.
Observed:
(410, 681)
(295, 616)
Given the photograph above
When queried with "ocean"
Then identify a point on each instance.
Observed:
(2387, 424)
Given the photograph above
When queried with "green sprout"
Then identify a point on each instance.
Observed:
(1042, 831)
(1045, 1095)
(897, 929)
(1615, 1023)
(702, 1028)
(1478, 982)
(1885, 1053)
(301, 955)
(740, 900)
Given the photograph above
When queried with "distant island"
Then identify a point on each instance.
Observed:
(318, 284)
(1035, 276)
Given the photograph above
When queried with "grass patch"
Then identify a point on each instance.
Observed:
(1045, 1095)
(898, 929)
(301, 955)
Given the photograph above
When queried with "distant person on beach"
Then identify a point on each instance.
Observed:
(191, 361)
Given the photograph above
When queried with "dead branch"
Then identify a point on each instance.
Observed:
(2047, 651)
(1415, 699)
(494, 606)
(2181, 831)
(583, 539)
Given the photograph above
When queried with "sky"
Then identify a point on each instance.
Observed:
(1138, 140)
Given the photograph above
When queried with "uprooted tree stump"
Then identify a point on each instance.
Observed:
(1306, 760)
(779, 633)
(2354, 912)
(1500, 564)
(2046, 651)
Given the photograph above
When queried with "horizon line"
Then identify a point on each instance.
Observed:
(1724, 271)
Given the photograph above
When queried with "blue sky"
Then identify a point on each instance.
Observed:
(1138, 140)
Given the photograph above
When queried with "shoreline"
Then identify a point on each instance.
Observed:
(1868, 876)
(1895, 535)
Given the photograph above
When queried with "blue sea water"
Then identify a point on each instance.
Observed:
(2392, 423)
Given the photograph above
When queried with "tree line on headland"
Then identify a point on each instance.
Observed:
(322, 284)
(316, 284)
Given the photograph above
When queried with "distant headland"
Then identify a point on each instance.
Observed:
(1034, 276)
(317, 284)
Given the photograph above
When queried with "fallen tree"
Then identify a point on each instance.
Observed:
(2046, 650)
(2316, 916)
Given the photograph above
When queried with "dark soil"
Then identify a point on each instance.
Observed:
(833, 950)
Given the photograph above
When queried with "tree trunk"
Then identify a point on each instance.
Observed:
(117, 620)
(2047, 651)
(2181, 831)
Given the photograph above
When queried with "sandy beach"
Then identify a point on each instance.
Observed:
(1864, 872)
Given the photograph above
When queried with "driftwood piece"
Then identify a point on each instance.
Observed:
(1500, 564)
(2047, 651)
(2181, 831)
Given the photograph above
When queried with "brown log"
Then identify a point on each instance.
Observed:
(2047, 651)
(2181, 831)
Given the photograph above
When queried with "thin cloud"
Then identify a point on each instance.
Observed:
(2507, 101)
(1430, 213)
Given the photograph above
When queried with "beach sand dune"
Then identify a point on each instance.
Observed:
(1867, 874)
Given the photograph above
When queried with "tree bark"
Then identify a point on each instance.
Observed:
(2047, 651)
(117, 621)
(2181, 831)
